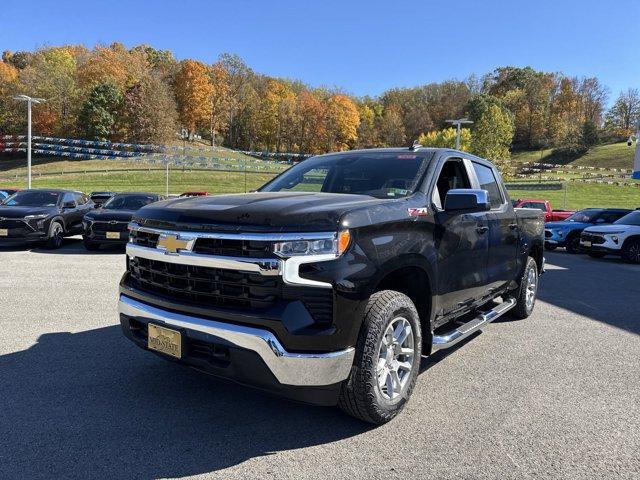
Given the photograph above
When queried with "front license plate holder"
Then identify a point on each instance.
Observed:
(4, 232)
(164, 340)
(586, 244)
(113, 235)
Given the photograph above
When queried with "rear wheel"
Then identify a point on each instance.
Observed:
(573, 244)
(631, 251)
(596, 254)
(527, 291)
(387, 359)
(56, 234)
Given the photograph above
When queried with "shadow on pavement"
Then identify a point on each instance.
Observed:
(70, 246)
(91, 405)
(606, 290)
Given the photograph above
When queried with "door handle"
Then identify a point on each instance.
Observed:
(482, 230)
(513, 226)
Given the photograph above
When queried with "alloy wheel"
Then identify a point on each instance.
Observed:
(395, 358)
(532, 287)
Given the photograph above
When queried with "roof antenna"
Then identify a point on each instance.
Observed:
(416, 145)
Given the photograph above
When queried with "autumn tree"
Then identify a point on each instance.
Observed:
(99, 111)
(342, 120)
(220, 100)
(446, 138)
(51, 75)
(277, 110)
(625, 112)
(310, 114)
(371, 114)
(148, 112)
(8, 88)
(114, 64)
(391, 127)
(527, 94)
(193, 91)
(493, 133)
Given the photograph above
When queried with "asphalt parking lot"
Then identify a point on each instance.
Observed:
(553, 396)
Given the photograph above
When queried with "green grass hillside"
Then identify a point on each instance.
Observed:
(614, 155)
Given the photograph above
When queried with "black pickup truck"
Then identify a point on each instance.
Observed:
(329, 283)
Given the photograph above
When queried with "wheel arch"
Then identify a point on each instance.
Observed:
(59, 219)
(412, 278)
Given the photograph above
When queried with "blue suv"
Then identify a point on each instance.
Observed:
(567, 232)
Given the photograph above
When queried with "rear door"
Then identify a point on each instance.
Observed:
(502, 263)
(461, 241)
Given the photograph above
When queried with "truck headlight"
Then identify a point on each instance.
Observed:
(334, 245)
(40, 216)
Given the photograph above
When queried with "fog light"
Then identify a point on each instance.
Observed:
(615, 239)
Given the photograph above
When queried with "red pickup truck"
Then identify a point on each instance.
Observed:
(550, 215)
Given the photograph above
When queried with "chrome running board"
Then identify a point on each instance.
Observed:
(463, 331)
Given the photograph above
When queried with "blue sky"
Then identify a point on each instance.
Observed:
(363, 47)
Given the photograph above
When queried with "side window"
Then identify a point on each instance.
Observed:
(68, 197)
(488, 182)
(453, 175)
(79, 198)
(609, 217)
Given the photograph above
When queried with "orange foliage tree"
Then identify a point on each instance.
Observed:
(193, 91)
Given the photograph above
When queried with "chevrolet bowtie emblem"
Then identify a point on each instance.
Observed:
(172, 243)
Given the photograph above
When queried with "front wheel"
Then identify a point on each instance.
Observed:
(56, 233)
(573, 244)
(527, 291)
(387, 359)
(631, 251)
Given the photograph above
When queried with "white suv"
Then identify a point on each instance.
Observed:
(622, 238)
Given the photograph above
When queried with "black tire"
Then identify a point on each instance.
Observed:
(631, 251)
(91, 246)
(361, 395)
(573, 244)
(523, 308)
(56, 234)
(596, 254)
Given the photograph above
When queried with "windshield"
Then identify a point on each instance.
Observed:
(584, 216)
(33, 199)
(128, 202)
(632, 218)
(377, 174)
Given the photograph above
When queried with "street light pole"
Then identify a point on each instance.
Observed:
(30, 101)
(458, 122)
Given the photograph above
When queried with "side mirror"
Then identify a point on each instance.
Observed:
(466, 200)
(68, 205)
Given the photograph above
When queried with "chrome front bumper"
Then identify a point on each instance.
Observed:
(294, 369)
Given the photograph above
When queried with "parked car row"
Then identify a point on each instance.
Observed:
(46, 216)
(595, 231)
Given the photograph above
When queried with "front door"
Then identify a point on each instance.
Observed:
(461, 241)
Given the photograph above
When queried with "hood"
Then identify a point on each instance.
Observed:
(268, 211)
(106, 215)
(566, 225)
(21, 212)
(609, 228)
